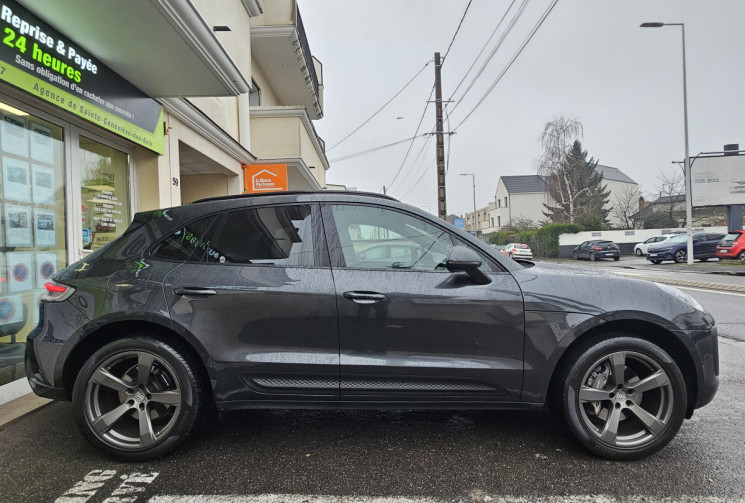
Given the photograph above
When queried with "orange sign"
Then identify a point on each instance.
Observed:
(264, 178)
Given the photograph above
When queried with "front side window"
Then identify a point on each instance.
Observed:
(273, 235)
(378, 238)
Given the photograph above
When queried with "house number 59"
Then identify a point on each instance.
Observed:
(175, 182)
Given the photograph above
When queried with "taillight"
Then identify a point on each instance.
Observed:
(57, 292)
(598, 248)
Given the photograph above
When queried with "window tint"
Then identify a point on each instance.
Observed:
(277, 235)
(377, 238)
(187, 242)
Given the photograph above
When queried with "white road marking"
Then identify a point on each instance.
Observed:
(475, 497)
(734, 294)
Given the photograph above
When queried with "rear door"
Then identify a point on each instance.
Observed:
(260, 298)
(411, 331)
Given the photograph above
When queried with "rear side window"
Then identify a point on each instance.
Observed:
(273, 235)
(187, 242)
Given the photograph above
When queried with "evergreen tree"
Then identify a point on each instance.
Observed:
(576, 190)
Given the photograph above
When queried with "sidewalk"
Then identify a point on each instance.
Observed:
(15, 409)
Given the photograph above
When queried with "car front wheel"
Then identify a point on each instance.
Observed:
(638, 252)
(680, 256)
(623, 397)
(138, 398)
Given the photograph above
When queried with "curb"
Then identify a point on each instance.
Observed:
(683, 282)
(19, 408)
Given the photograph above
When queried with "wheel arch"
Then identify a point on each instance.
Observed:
(646, 330)
(117, 330)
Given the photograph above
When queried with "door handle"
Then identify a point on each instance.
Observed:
(193, 291)
(364, 297)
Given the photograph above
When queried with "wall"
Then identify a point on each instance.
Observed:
(194, 187)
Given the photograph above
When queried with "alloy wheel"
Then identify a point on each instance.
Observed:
(626, 399)
(681, 256)
(133, 400)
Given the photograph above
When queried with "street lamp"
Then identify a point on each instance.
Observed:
(474, 200)
(689, 203)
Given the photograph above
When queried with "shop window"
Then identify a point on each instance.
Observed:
(105, 193)
(32, 234)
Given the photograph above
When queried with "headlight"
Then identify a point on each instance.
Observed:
(684, 297)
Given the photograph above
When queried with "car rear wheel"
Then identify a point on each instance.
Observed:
(616, 258)
(623, 397)
(592, 257)
(741, 256)
(138, 398)
(638, 252)
(680, 256)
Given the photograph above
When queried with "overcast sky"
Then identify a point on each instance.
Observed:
(589, 60)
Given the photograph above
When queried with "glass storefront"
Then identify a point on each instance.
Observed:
(33, 230)
(104, 186)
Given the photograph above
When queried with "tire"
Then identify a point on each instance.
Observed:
(680, 256)
(741, 256)
(120, 414)
(627, 419)
(575, 256)
(593, 258)
(616, 258)
(510, 255)
(703, 259)
(657, 262)
(638, 252)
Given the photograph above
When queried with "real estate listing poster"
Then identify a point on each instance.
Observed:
(14, 135)
(16, 179)
(42, 143)
(42, 184)
(17, 225)
(45, 229)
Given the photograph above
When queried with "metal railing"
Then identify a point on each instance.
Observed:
(306, 51)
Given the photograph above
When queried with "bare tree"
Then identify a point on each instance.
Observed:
(557, 139)
(625, 208)
(671, 200)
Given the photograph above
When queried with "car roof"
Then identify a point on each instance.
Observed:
(323, 196)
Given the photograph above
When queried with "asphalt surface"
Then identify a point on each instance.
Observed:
(407, 456)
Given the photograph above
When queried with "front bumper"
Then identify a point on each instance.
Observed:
(662, 255)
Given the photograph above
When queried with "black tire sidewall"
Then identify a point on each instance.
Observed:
(190, 381)
(578, 365)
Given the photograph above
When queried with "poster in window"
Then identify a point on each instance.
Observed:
(42, 143)
(16, 179)
(11, 309)
(20, 271)
(45, 229)
(46, 267)
(14, 135)
(42, 184)
(17, 225)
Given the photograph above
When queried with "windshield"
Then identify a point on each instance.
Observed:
(680, 238)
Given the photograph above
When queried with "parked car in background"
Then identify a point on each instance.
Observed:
(593, 250)
(244, 302)
(641, 248)
(518, 251)
(732, 246)
(676, 248)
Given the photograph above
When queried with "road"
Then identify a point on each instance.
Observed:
(408, 456)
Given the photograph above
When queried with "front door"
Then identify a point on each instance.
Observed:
(409, 330)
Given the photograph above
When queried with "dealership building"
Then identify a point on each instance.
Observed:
(109, 108)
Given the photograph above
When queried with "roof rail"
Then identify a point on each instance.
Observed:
(295, 192)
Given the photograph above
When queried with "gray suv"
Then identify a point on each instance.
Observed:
(353, 300)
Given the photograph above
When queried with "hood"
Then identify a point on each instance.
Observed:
(551, 287)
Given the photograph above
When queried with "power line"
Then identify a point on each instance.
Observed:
(416, 133)
(374, 149)
(381, 108)
(417, 182)
(456, 33)
(482, 49)
(416, 159)
(494, 50)
(519, 51)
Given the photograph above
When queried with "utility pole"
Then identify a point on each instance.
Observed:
(441, 199)
(384, 192)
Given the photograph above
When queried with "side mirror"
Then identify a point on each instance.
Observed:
(462, 259)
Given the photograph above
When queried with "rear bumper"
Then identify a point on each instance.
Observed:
(36, 380)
